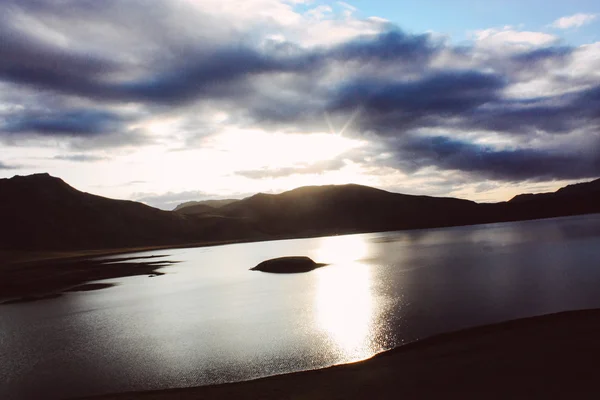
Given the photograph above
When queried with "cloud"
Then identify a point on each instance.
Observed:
(79, 157)
(347, 6)
(560, 114)
(508, 104)
(506, 164)
(406, 104)
(27, 58)
(348, 9)
(171, 74)
(203, 74)
(508, 38)
(46, 119)
(574, 21)
(539, 58)
(4, 166)
(305, 169)
(393, 45)
(318, 12)
(76, 122)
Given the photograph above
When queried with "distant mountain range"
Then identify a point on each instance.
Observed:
(41, 212)
(197, 207)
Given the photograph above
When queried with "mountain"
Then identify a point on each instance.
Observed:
(195, 209)
(580, 198)
(41, 212)
(578, 189)
(346, 208)
(199, 207)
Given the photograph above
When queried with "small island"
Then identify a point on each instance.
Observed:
(288, 265)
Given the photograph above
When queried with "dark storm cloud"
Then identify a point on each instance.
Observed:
(169, 58)
(63, 123)
(509, 165)
(386, 105)
(589, 98)
(29, 60)
(203, 75)
(188, 70)
(215, 75)
(393, 45)
(519, 117)
(393, 105)
(560, 114)
(4, 166)
(168, 65)
(226, 73)
(537, 56)
(464, 100)
(198, 73)
(163, 66)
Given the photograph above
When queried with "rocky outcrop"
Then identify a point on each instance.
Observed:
(287, 265)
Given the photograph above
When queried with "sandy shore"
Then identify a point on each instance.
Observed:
(552, 356)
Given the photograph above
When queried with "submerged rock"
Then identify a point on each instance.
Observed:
(288, 265)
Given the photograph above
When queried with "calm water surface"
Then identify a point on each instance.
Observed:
(210, 319)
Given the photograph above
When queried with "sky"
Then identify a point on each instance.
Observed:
(167, 101)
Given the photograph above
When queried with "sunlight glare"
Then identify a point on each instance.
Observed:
(343, 249)
(281, 149)
(344, 299)
(345, 308)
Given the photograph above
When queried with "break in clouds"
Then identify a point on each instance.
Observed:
(508, 105)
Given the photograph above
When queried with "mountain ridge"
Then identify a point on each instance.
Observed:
(42, 212)
(573, 189)
(188, 206)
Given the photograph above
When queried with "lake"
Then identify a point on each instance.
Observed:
(210, 320)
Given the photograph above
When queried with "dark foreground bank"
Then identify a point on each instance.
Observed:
(552, 356)
(45, 279)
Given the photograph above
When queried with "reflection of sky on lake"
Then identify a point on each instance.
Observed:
(209, 319)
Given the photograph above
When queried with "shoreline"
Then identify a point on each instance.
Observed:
(542, 356)
(14, 257)
(41, 280)
(35, 275)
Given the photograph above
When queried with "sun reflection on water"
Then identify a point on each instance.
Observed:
(342, 249)
(344, 297)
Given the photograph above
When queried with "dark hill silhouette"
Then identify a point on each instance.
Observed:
(584, 188)
(40, 212)
(578, 189)
(580, 198)
(346, 208)
(196, 209)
